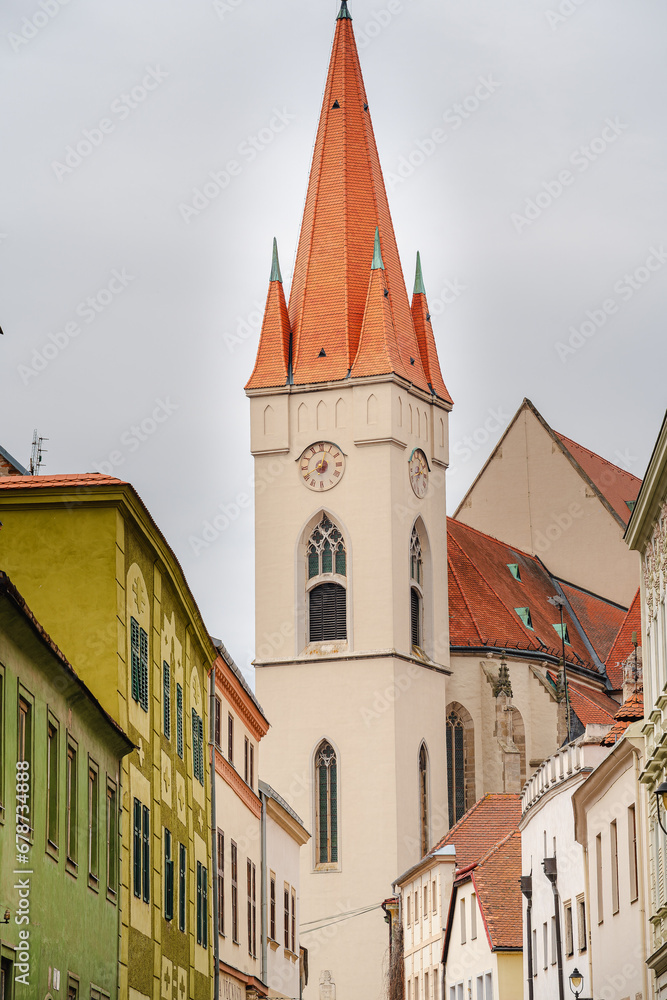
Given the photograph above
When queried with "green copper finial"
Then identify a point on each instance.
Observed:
(275, 266)
(419, 281)
(377, 253)
(343, 12)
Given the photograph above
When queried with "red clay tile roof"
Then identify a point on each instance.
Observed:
(616, 485)
(588, 704)
(422, 321)
(631, 710)
(271, 364)
(623, 647)
(332, 286)
(44, 482)
(600, 619)
(484, 824)
(483, 596)
(496, 880)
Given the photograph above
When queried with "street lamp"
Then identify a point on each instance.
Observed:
(559, 602)
(576, 982)
(661, 796)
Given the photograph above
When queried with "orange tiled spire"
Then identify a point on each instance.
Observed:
(421, 318)
(273, 354)
(342, 324)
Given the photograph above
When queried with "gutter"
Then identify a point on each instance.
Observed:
(214, 846)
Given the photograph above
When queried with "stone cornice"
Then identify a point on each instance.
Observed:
(236, 783)
(226, 682)
(651, 494)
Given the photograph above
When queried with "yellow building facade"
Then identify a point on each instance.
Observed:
(98, 573)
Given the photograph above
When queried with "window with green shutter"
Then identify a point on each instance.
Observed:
(179, 721)
(327, 613)
(198, 747)
(181, 886)
(146, 838)
(199, 891)
(168, 877)
(139, 664)
(137, 848)
(166, 699)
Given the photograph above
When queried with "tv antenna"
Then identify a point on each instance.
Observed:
(38, 449)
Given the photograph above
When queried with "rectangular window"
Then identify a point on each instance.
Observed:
(480, 988)
(217, 734)
(554, 949)
(293, 927)
(168, 877)
(146, 844)
(425, 906)
(52, 799)
(179, 721)
(534, 953)
(581, 924)
(71, 818)
(181, 886)
(249, 867)
(426, 993)
(166, 699)
(272, 908)
(246, 760)
(286, 916)
(221, 882)
(488, 982)
(93, 814)
(230, 738)
(252, 766)
(632, 854)
(545, 943)
(613, 841)
(408, 908)
(416, 907)
(72, 988)
(112, 838)
(235, 894)
(462, 918)
(435, 896)
(598, 869)
(137, 848)
(24, 748)
(252, 916)
(569, 930)
(139, 650)
(473, 917)
(198, 747)
(202, 905)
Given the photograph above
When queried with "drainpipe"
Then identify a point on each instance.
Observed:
(214, 839)
(551, 872)
(526, 883)
(263, 890)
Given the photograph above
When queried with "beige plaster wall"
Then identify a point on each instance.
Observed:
(530, 496)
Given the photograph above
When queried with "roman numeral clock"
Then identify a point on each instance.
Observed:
(322, 466)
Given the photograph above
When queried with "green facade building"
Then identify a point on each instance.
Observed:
(60, 793)
(99, 574)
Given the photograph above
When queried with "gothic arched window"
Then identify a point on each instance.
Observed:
(326, 804)
(423, 800)
(326, 568)
(460, 762)
(416, 583)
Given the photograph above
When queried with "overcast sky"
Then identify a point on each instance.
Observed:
(127, 296)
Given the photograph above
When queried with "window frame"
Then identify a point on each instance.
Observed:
(632, 853)
(52, 830)
(168, 900)
(326, 790)
(179, 720)
(182, 886)
(71, 806)
(112, 851)
(93, 824)
(221, 882)
(166, 699)
(235, 892)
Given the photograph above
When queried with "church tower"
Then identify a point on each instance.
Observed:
(349, 432)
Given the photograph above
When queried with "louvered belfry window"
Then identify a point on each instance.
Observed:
(326, 557)
(326, 783)
(415, 617)
(417, 580)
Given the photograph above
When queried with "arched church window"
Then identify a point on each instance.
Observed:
(326, 808)
(423, 800)
(460, 761)
(327, 598)
(416, 578)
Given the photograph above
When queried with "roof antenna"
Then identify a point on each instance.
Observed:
(36, 459)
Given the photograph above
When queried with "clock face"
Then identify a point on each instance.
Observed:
(418, 467)
(321, 466)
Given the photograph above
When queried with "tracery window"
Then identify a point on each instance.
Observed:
(327, 598)
(416, 578)
(455, 768)
(423, 801)
(326, 809)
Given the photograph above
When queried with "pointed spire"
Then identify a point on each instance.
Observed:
(379, 352)
(346, 202)
(421, 318)
(419, 281)
(378, 263)
(275, 265)
(273, 362)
